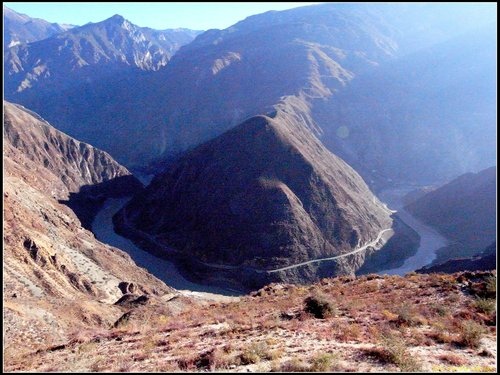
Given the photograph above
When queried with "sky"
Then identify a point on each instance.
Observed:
(196, 16)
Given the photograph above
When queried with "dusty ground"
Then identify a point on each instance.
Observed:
(415, 323)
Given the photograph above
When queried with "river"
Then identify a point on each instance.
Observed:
(102, 227)
(166, 271)
(430, 240)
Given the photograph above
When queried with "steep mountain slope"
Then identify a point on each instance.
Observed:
(314, 54)
(86, 68)
(484, 261)
(19, 28)
(464, 210)
(425, 117)
(57, 277)
(264, 195)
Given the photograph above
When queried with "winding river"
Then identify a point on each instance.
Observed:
(102, 227)
(430, 240)
(166, 271)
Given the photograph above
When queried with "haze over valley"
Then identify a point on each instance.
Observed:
(299, 155)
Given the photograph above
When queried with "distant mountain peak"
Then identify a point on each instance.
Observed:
(116, 18)
(120, 21)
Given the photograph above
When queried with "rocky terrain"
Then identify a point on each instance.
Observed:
(57, 278)
(463, 210)
(417, 323)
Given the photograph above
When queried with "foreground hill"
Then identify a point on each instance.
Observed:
(57, 277)
(463, 210)
(428, 323)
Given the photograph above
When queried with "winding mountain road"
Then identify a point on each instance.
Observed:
(372, 243)
(229, 267)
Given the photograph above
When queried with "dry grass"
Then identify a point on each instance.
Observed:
(471, 333)
(269, 330)
(395, 350)
(453, 359)
(324, 362)
(485, 305)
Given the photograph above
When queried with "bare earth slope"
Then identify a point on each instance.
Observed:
(57, 278)
(264, 195)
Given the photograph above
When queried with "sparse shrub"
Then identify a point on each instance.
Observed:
(389, 315)
(485, 305)
(418, 338)
(319, 306)
(407, 316)
(471, 333)
(396, 351)
(293, 365)
(255, 352)
(491, 285)
(348, 332)
(187, 362)
(440, 333)
(323, 362)
(441, 309)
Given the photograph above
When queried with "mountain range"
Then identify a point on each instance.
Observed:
(20, 29)
(323, 61)
(326, 81)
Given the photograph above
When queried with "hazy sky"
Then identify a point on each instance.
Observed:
(197, 16)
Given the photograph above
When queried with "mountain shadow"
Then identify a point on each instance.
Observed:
(87, 202)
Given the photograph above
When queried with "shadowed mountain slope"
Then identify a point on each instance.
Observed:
(464, 210)
(265, 194)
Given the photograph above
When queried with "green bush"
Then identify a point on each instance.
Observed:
(255, 352)
(491, 285)
(319, 306)
(323, 362)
